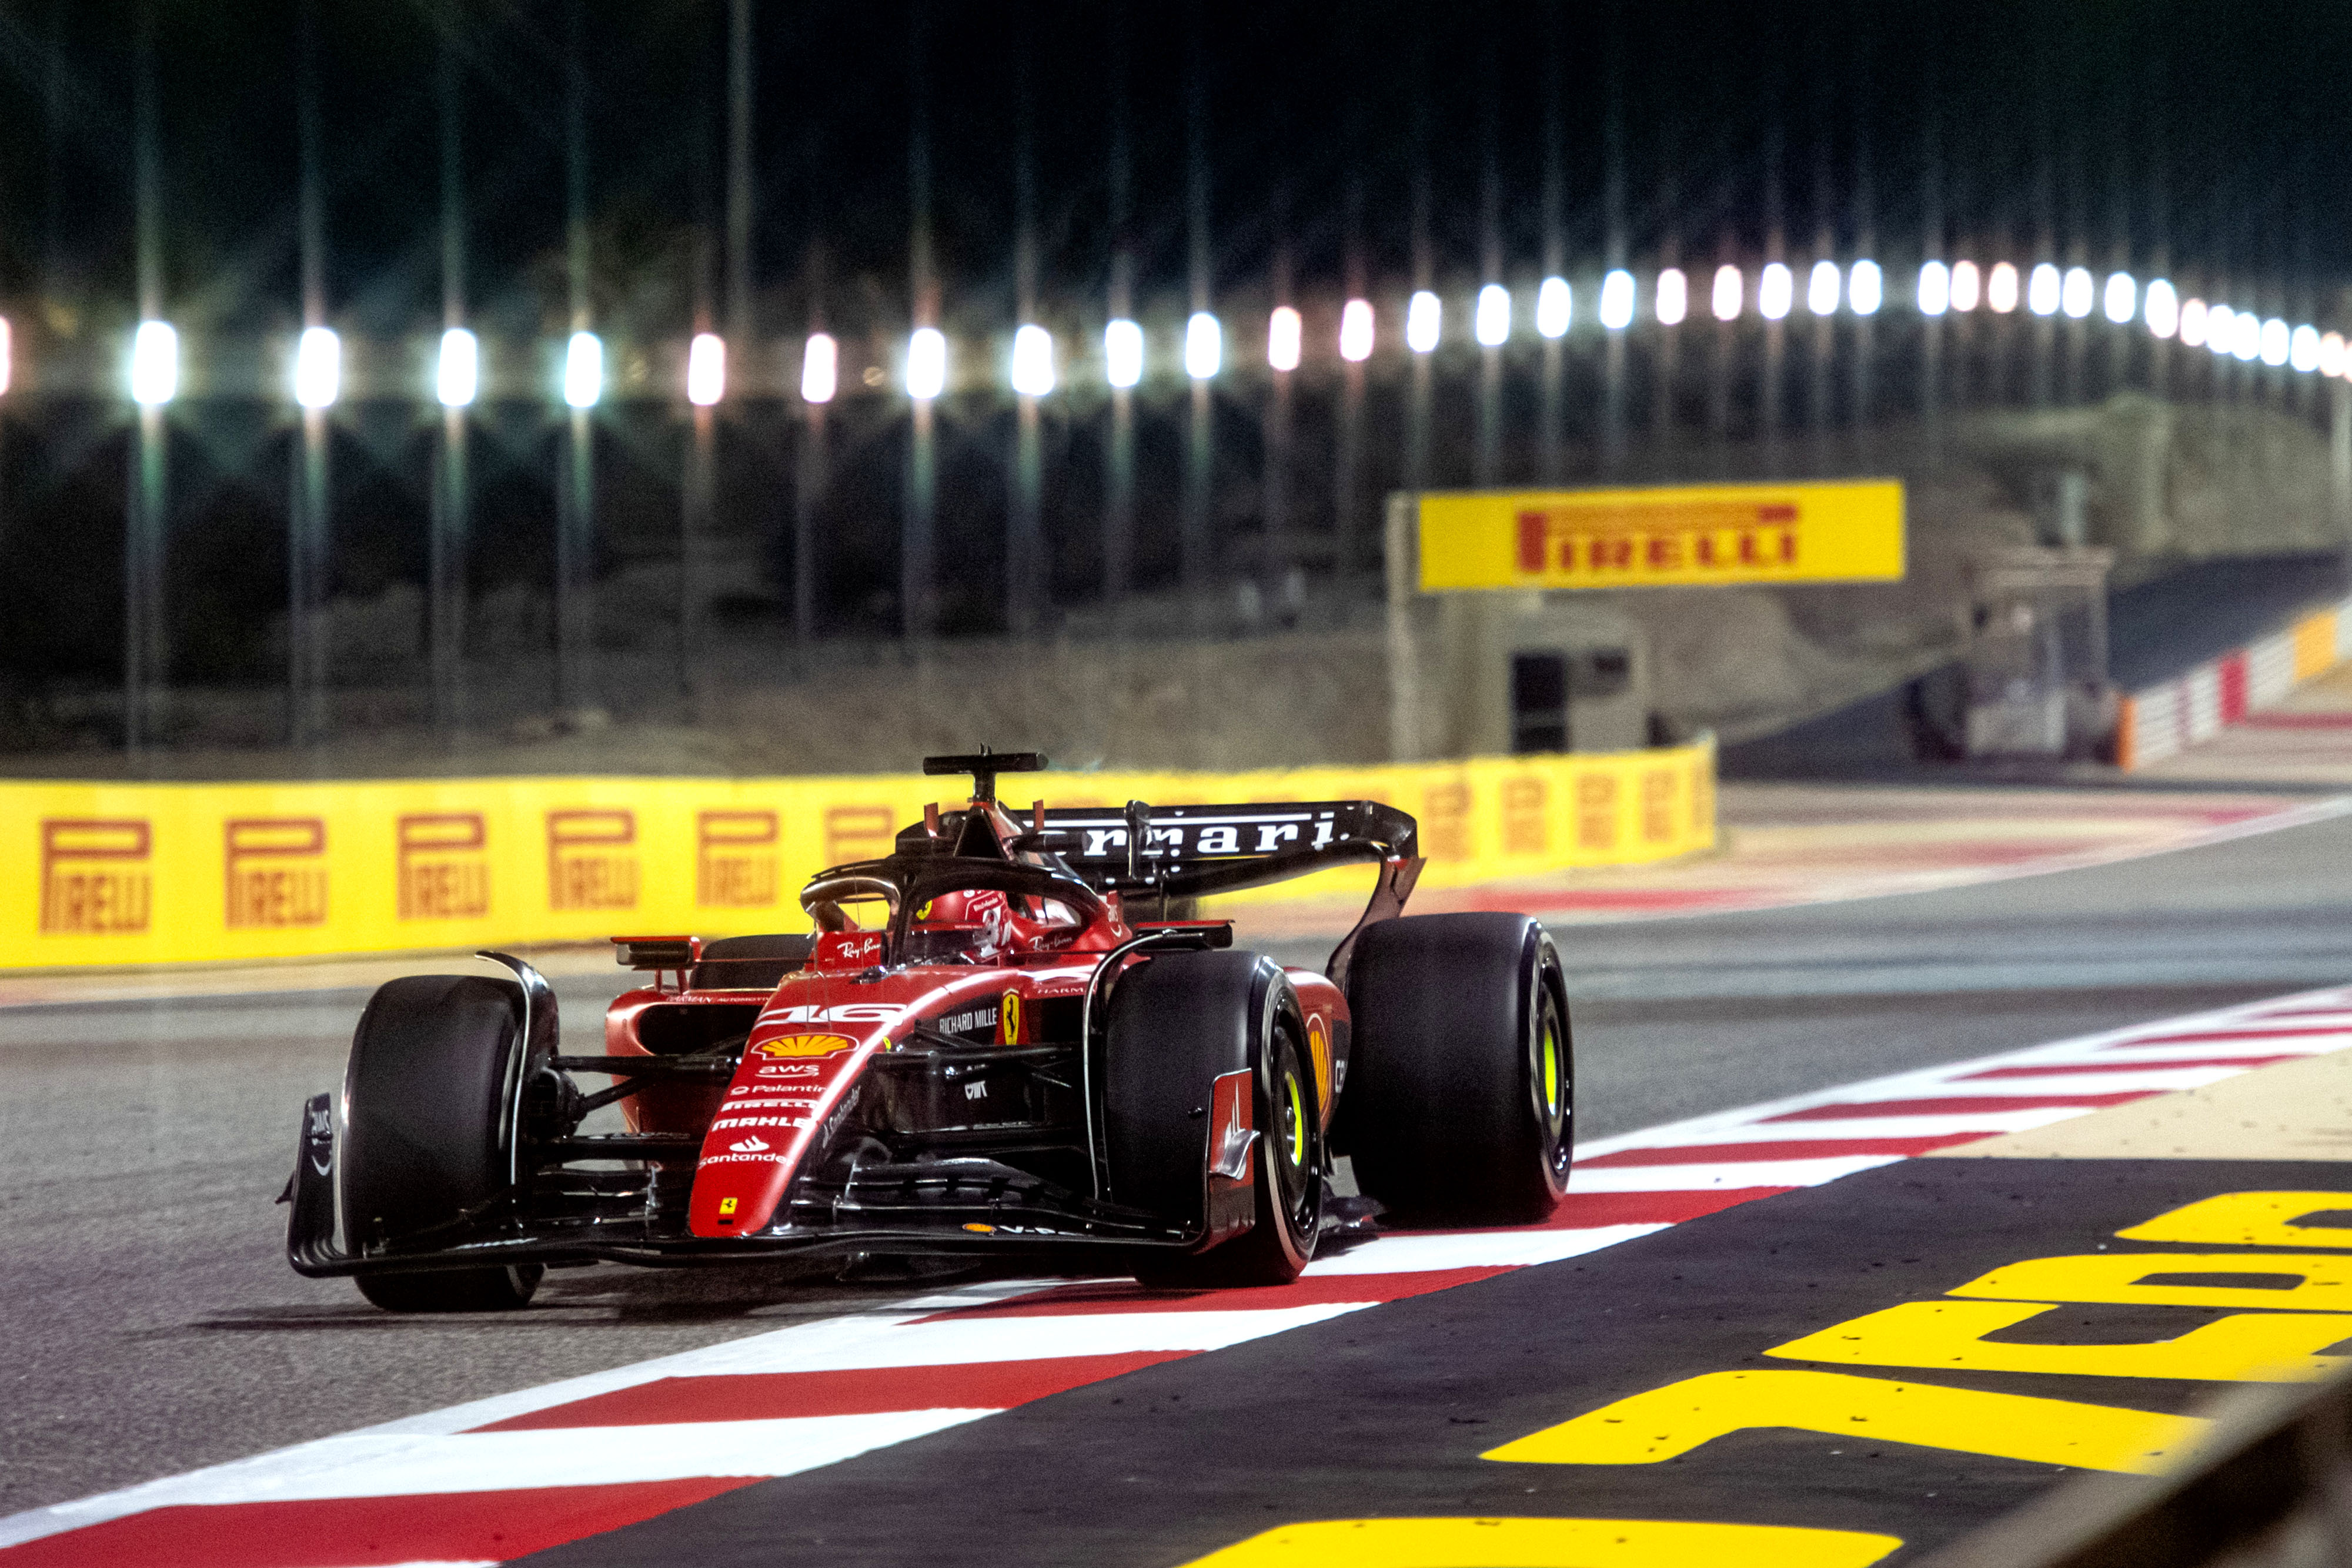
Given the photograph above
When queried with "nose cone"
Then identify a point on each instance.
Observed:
(788, 1081)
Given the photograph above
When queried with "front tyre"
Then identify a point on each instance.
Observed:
(1286, 1170)
(1178, 1023)
(1460, 1104)
(435, 1068)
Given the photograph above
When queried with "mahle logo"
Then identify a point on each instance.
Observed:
(806, 1045)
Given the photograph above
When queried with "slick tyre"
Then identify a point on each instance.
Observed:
(1177, 1024)
(1461, 1092)
(433, 1074)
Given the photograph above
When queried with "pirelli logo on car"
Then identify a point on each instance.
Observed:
(275, 869)
(735, 859)
(592, 861)
(443, 864)
(95, 875)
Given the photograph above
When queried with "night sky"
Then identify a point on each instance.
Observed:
(2206, 141)
(2219, 129)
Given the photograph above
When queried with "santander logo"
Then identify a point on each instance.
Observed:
(750, 1145)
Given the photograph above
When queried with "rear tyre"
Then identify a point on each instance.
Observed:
(427, 1100)
(1461, 1094)
(1177, 1024)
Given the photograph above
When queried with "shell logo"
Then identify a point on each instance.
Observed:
(805, 1045)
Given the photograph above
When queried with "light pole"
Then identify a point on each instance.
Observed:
(456, 382)
(154, 380)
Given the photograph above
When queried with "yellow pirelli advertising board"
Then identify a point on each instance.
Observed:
(1846, 530)
(98, 873)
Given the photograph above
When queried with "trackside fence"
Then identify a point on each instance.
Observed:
(2270, 1488)
(95, 874)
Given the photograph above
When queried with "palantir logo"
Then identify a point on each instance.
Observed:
(276, 871)
(94, 875)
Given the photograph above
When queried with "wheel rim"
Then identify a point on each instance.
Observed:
(1554, 1082)
(1293, 1139)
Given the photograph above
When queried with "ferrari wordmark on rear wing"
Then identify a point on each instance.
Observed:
(1186, 838)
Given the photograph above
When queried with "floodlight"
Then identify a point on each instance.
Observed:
(1822, 287)
(2273, 343)
(154, 363)
(1865, 288)
(1032, 360)
(458, 378)
(1122, 353)
(1492, 321)
(2221, 328)
(2331, 354)
(2122, 299)
(1204, 346)
(2194, 323)
(1555, 307)
(1967, 285)
(583, 369)
(1728, 291)
(1935, 289)
(819, 368)
(2042, 291)
(927, 364)
(7, 354)
(1356, 332)
(2161, 308)
(2000, 288)
(1617, 300)
(1673, 297)
(706, 369)
(2303, 349)
(2074, 292)
(1422, 314)
(1776, 290)
(2246, 335)
(1282, 331)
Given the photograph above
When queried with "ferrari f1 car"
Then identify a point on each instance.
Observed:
(1008, 1038)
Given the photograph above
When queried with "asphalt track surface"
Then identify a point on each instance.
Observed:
(152, 1326)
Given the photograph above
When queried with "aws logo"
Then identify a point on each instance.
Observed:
(805, 1045)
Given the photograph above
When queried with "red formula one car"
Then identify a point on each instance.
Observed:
(1000, 1039)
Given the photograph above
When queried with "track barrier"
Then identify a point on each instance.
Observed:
(103, 874)
(2164, 720)
(2271, 1487)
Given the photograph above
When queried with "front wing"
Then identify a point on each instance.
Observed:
(561, 1215)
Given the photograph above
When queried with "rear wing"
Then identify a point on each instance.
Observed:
(1193, 849)
(1189, 852)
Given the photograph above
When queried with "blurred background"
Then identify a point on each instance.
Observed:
(711, 384)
